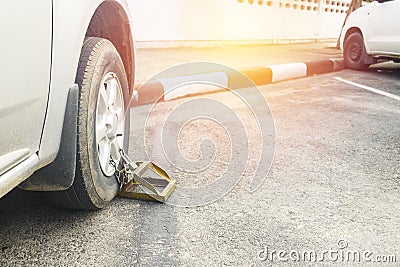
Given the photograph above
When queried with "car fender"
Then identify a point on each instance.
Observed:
(70, 22)
(358, 19)
(56, 165)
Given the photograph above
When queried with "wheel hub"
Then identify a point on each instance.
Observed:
(355, 52)
(110, 121)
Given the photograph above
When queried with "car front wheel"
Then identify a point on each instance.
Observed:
(103, 127)
(354, 51)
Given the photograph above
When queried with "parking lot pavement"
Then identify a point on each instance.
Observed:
(333, 185)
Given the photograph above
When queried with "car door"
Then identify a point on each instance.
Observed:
(25, 45)
(383, 33)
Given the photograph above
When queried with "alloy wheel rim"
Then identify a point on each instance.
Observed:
(355, 51)
(109, 126)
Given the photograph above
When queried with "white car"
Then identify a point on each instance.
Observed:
(67, 75)
(370, 33)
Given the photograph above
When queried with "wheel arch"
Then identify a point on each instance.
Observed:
(353, 30)
(110, 21)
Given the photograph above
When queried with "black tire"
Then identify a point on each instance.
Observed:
(354, 52)
(92, 189)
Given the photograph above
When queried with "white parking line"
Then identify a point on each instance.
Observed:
(368, 88)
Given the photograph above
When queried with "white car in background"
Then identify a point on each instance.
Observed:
(372, 33)
(67, 74)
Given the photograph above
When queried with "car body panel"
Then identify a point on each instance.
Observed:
(383, 33)
(67, 41)
(25, 75)
(379, 26)
(18, 174)
(43, 46)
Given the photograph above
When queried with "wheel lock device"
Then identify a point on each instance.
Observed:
(143, 180)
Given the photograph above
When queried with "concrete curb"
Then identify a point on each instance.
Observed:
(165, 89)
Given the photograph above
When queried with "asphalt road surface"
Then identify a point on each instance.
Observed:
(333, 186)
